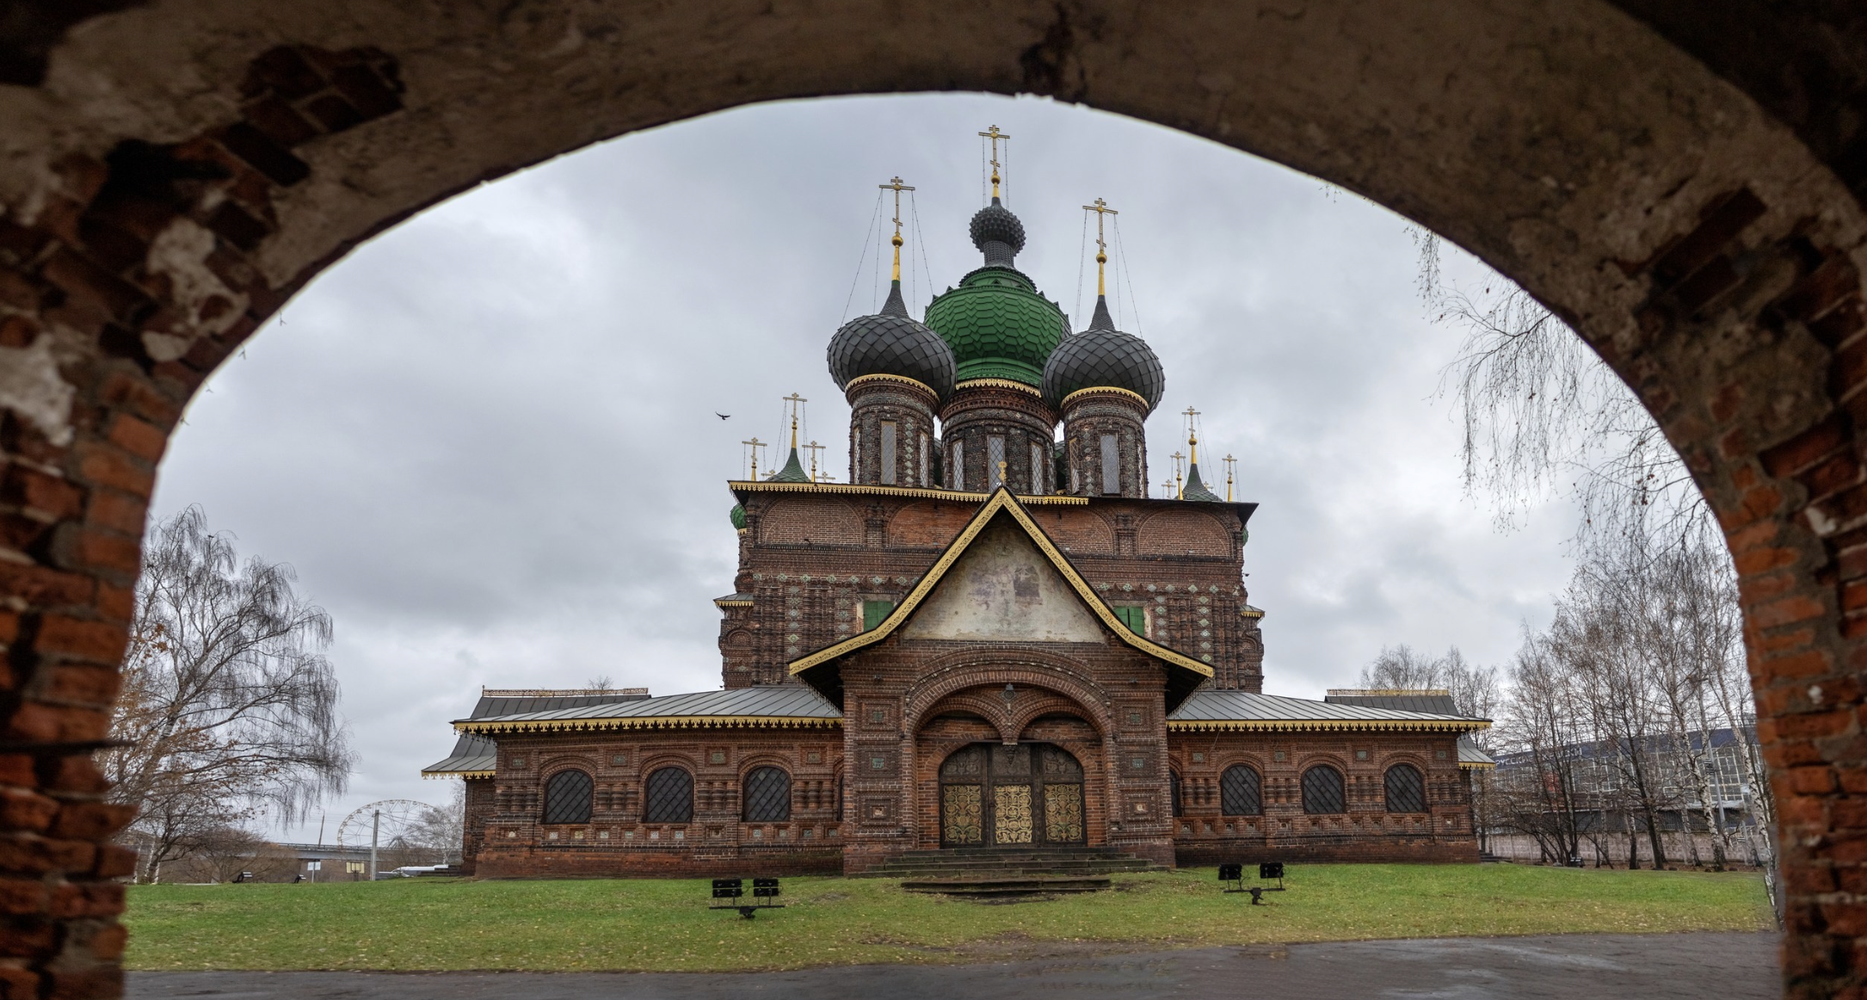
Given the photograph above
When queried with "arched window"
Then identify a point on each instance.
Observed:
(1173, 790)
(670, 796)
(1239, 790)
(767, 795)
(1322, 790)
(1406, 790)
(567, 797)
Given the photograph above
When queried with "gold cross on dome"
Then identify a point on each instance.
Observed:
(1192, 431)
(994, 135)
(796, 404)
(1101, 208)
(815, 449)
(894, 184)
(753, 446)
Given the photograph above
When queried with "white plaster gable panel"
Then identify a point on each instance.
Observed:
(1003, 589)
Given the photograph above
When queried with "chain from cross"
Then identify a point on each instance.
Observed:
(894, 184)
(994, 134)
(1101, 208)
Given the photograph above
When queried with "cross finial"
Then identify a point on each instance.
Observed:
(753, 446)
(1192, 431)
(813, 448)
(1101, 208)
(1231, 473)
(994, 135)
(796, 404)
(1167, 485)
(894, 184)
(1179, 473)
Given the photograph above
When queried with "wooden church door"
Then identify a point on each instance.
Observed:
(1011, 796)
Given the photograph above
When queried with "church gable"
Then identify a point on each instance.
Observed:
(1003, 589)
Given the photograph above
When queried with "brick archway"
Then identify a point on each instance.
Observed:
(1681, 184)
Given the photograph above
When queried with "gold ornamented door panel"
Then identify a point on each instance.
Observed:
(1011, 796)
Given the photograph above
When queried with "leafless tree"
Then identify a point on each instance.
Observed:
(1473, 689)
(229, 707)
(440, 828)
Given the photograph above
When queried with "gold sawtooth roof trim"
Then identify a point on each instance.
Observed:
(457, 774)
(650, 722)
(1003, 500)
(1289, 725)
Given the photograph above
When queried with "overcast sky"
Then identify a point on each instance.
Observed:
(487, 438)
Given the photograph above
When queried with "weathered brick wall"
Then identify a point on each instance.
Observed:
(1087, 417)
(619, 841)
(984, 408)
(480, 800)
(1283, 831)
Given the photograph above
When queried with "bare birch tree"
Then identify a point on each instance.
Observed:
(229, 708)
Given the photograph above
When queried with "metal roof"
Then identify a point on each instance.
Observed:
(474, 756)
(1436, 702)
(1470, 756)
(1245, 710)
(773, 705)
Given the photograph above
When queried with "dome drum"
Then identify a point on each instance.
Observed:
(891, 432)
(1105, 440)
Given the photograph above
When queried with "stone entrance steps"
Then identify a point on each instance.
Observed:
(1000, 888)
(1009, 863)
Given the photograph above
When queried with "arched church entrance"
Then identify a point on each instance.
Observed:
(1022, 795)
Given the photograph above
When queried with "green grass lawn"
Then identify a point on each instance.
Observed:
(663, 925)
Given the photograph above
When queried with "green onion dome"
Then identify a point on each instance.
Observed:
(996, 322)
(891, 343)
(1104, 356)
(739, 516)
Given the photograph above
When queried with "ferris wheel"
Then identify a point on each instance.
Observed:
(397, 832)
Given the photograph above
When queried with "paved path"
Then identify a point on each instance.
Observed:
(1568, 967)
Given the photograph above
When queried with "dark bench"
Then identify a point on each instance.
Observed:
(1234, 876)
(729, 894)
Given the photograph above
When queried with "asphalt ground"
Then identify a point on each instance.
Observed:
(1558, 967)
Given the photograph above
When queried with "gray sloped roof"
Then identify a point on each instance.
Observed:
(476, 754)
(1437, 703)
(773, 705)
(1471, 756)
(1245, 710)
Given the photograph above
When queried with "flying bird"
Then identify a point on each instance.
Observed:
(722, 416)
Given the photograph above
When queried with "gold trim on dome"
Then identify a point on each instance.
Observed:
(650, 722)
(1331, 725)
(879, 377)
(931, 493)
(1003, 500)
(998, 383)
(1116, 390)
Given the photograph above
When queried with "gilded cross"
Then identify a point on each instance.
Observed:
(796, 403)
(994, 135)
(814, 448)
(1192, 431)
(753, 446)
(894, 184)
(1231, 473)
(1101, 208)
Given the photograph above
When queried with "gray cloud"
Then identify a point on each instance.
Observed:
(487, 439)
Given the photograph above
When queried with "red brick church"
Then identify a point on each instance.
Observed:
(989, 638)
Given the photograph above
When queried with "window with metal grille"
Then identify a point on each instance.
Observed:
(1037, 469)
(767, 795)
(875, 612)
(994, 458)
(1406, 790)
(567, 797)
(923, 480)
(1322, 790)
(669, 796)
(1111, 465)
(1239, 792)
(956, 476)
(1173, 790)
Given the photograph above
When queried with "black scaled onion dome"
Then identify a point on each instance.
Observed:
(1103, 356)
(997, 233)
(892, 343)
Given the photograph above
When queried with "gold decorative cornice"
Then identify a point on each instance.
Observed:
(896, 379)
(998, 383)
(647, 722)
(1476, 765)
(1003, 500)
(924, 492)
(1329, 725)
(1108, 390)
(724, 603)
(456, 774)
